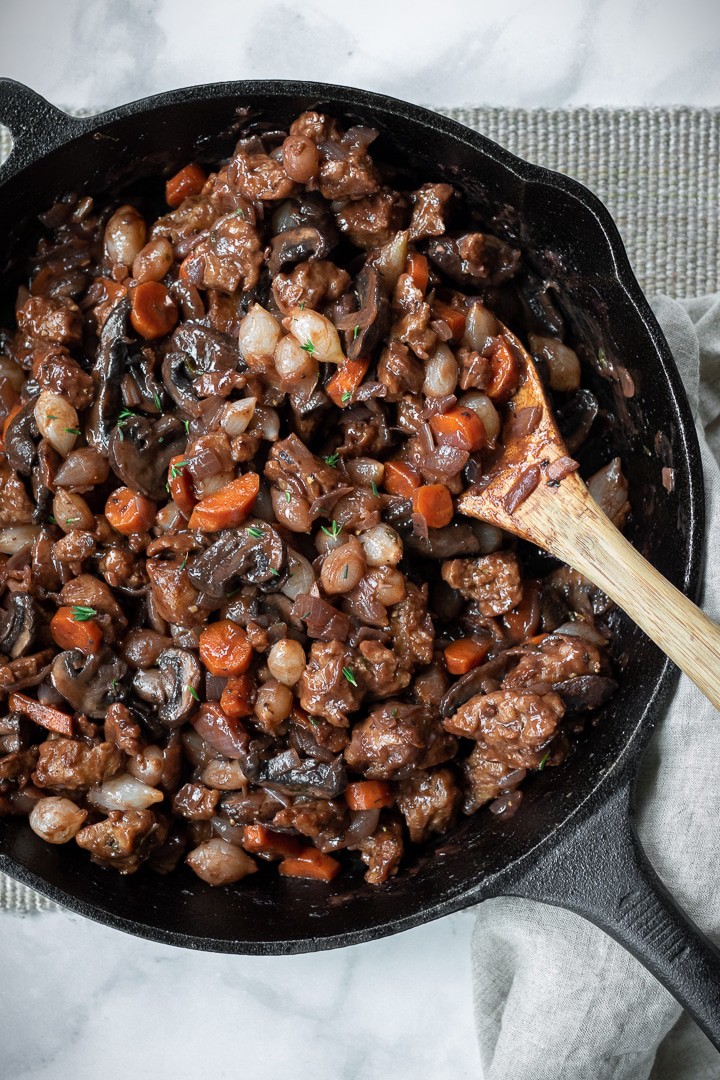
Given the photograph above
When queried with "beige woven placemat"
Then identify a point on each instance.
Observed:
(658, 172)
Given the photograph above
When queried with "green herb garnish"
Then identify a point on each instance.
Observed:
(375, 491)
(183, 564)
(309, 347)
(333, 531)
(356, 331)
(348, 673)
(274, 572)
(346, 397)
(157, 402)
(73, 430)
(192, 692)
(71, 521)
(254, 532)
(177, 468)
(543, 760)
(288, 496)
(332, 459)
(186, 425)
(83, 614)
(52, 520)
(346, 571)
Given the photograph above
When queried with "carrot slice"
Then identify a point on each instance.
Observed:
(465, 654)
(45, 715)
(455, 319)
(461, 427)
(505, 377)
(153, 311)
(260, 840)
(310, 863)
(188, 181)
(368, 795)
(129, 512)
(224, 649)
(400, 478)
(343, 385)
(236, 698)
(419, 270)
(181, 486)
(226, 507)
(68, 632)
(434, 502)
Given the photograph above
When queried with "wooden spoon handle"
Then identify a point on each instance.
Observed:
(582, 536)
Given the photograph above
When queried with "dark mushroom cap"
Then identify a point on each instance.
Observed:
(254, 554)
(89, 683)
(141, 450)
(200, 362)
(180, 673)
(112, 357)
(289, 773)
(372, 316)
(299, 245)
(18, 625)
(20, 440)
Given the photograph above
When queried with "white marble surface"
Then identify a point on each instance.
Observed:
(80, 1001)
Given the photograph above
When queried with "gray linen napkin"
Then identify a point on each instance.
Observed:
(555, 998)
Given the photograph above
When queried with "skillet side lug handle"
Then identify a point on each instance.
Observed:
(600, 872)
(36, 126)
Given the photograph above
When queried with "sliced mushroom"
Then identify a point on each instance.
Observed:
(89, 683)
(541, 312)
(289, 773)
(306, 242)
(254, 553)
(141, 450)
(201, 363)
(178, 374)
(18, 625)
(112, 357)
(372, 316)
(180, 674)
(473, 258)
(20, 447)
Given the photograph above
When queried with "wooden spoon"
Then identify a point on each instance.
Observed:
(530, 492)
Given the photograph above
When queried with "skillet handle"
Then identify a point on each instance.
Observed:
(600, 872)
(36, 126)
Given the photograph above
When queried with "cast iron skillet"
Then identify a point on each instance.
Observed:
(573, 843)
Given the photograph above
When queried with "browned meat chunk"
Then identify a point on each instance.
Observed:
(412, 325)
(18, 765)
(16, 507)
(492, 580)
(70, 764)
(429, 205)
(428, 801)
(310, 284)
(382, 851)
(124, 840)
(322, 820)
(380, 670)
(412, 629)
(259, 176)
(556, 659)
(394, 739)
(294, 468)
(327, 686)
(349, 172)
(565, 591)
(475, 370)
(194, 215)
(55, 318)
(372, 221)
(175, 598)
(229, 258)
(484, 779)
(121, 729)
(196, 802)
(399, 372)
(55, 370)
(513, 726)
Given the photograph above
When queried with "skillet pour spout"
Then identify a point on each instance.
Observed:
(573, 844)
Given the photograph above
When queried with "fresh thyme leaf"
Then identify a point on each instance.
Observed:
(346, 397)
(48, 417)
(332, 459)
(309, 347)
(288, 496)
(302, 306)
(177, 468)
(346, 571)
(374, 489)
(192, 692)
(73, 430)
(125, 415)
(186, 425)
(240, 213)
(356, 331)
(82, 614)
(71, 521)
(543, 760)
(349, 675)
(274, 572)
(113, 685)
(333, 531)
(256, 533)
(52, 520)
(183, 564)
(157, 401)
